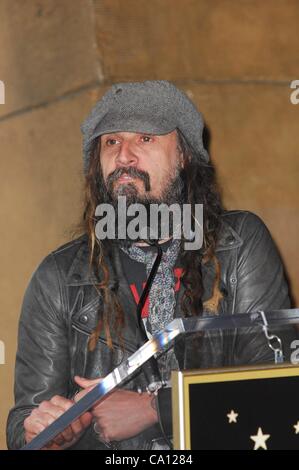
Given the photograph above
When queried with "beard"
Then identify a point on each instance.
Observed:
(172, 192)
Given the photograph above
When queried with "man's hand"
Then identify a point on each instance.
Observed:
(46, 413)
(123, 414)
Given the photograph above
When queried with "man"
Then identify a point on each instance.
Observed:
(78, 321)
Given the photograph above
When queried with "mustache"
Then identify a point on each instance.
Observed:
(130, 171)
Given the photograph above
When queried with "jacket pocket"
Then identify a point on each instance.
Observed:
(97, 363)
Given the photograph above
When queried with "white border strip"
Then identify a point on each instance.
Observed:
(181, 410)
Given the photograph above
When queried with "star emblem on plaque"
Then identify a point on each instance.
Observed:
(260, 440)
(232, 417)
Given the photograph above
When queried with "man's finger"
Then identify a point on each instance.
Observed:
(68, 434)
(86, 419)
(59, 440)
(85, 383)
(56, 411)
(61, 402)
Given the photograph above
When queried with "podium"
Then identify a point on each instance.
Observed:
(250, 408)
(266, 321)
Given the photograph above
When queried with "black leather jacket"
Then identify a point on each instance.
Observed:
(59, 312)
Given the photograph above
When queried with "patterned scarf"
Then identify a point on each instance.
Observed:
(161, 295)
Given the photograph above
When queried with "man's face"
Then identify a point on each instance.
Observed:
(140, 165)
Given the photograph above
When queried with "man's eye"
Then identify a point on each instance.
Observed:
(111, 141)
(146, 138)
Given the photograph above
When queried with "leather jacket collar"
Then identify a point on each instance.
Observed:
(80, 274)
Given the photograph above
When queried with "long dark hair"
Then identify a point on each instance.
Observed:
(200, 188)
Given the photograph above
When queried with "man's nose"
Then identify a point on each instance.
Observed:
(126, 155)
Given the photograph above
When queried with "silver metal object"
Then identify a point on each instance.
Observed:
(274, 342)
(109, 444)
(157, 343)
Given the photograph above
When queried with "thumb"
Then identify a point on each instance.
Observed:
(86, 383)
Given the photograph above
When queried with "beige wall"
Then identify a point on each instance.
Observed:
(236, 59)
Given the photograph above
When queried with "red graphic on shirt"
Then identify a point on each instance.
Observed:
(177, 275)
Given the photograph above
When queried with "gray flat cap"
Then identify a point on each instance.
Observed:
(153, 107)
